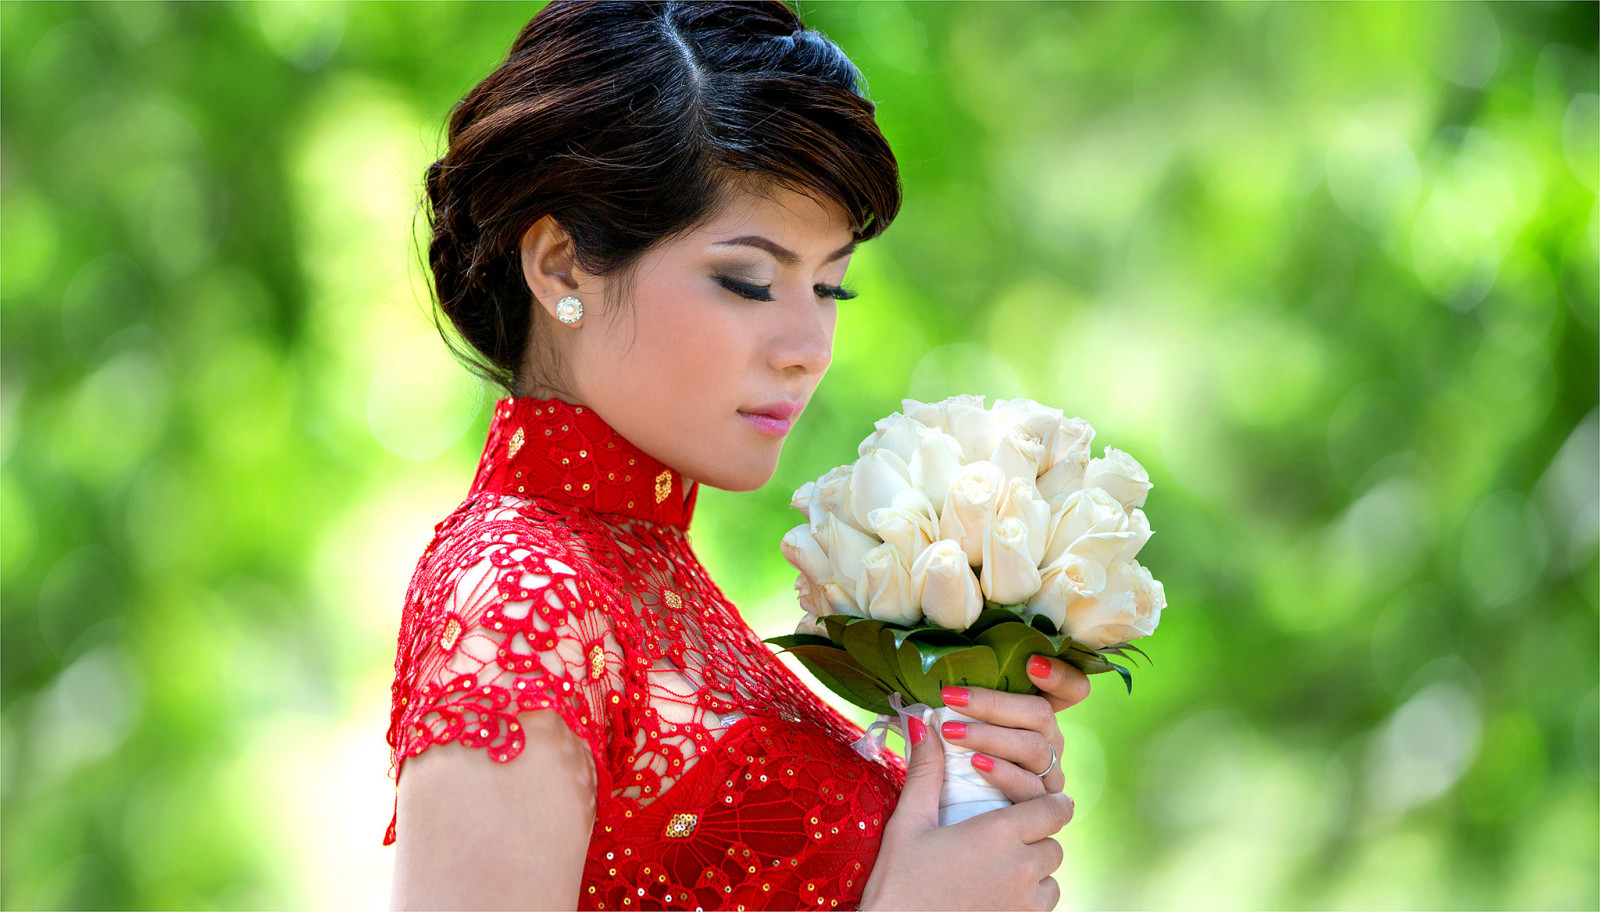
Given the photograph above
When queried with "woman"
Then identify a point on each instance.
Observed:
(641, 226)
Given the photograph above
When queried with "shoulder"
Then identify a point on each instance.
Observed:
(494, 548)
(500, 617)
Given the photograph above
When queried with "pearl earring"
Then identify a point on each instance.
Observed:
(569, 310)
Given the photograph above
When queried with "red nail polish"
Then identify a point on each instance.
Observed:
(918, 730)
(1039, 666)
(983, 763)
(954, 696)
(955, 731)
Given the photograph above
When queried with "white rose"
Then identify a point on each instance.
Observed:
(815, 605)
(1017, 454)
(1139, 526)
(1038, 420)
(1128, 608)
(845, 545)
(1091, 511)
(1121, 475)
(885, 588)
(947, 587)
(830, 494)
(1069, 579)
(977, 428)
(1022, 502)
(1009, 574)
(801, 500)
(911, 525)
(841, 597)
(1069, 442)
(970, 506)
(937, 457)
(1066, 458)
(878, 477)
(801, 550)
(895, 433)
(937, 414)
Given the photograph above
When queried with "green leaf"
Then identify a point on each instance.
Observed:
(933, 636)
(790, 640)
(841, 674)
(1014, 644)
(836, 624)
(990, 617)
(969, 666)
(861, 641)
(1127, 676)
(919, 685)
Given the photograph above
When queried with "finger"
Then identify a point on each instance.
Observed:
(924, 772)
(1034, 820)
(1062, 684)
(1024, 747)
(1006, 709)
(1018, 784)
(1046, 856)
(1049, 893)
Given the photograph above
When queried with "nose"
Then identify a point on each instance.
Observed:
(804, 339)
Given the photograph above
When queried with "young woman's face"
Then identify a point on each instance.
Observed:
(731, 319)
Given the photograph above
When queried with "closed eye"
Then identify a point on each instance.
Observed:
(753, 292)
(764, 293)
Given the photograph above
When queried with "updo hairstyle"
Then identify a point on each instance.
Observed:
(629, 122)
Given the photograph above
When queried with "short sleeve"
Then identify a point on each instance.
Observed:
(500, 620)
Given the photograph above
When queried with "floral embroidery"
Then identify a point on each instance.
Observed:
(537, 586)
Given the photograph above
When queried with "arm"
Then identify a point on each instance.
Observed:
(476, 834)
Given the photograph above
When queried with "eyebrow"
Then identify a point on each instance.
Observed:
(779, 252)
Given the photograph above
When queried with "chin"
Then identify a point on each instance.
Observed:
(738, 478)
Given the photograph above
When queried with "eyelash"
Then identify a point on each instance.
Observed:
(763, 293)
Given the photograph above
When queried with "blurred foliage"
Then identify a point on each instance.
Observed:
(1328, 270)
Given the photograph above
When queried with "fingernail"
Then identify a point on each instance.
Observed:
(955, 731)
(954, 696)
(1072, 807)
(983, 763)
(918, 730)
(1039, 666)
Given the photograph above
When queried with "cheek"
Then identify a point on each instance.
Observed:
(685, 341)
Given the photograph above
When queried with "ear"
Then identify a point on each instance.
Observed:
(547, 263)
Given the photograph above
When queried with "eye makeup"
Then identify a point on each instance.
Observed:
(764, 293)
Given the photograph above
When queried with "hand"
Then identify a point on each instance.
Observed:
(997, 860)
(1016, 745)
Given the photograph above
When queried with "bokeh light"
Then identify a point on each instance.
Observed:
(1329, 271)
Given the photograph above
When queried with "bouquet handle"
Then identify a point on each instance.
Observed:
(965, 792)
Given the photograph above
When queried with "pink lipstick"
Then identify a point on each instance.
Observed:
(775, 418)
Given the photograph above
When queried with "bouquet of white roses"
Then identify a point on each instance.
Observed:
(963, 541)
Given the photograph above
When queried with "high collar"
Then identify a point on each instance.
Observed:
(554, 450)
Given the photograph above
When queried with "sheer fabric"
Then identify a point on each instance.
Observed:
(566, 581)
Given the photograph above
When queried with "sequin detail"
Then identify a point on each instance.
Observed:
(721, 780)
(682, 825)
(663, 485)
(451, 633)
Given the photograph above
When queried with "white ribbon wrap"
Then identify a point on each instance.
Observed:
(965, 793)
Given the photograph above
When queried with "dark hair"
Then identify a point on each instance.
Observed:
(627, 122)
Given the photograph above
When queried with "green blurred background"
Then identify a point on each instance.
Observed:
(1329, 271)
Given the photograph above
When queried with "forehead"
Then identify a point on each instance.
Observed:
(779, 213)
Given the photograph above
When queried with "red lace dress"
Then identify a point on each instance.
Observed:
(566, 581)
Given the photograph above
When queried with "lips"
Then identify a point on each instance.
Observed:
(781, 411)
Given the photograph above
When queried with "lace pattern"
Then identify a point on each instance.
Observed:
(722, 781)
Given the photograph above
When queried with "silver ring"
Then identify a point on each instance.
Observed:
(1053, 758)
